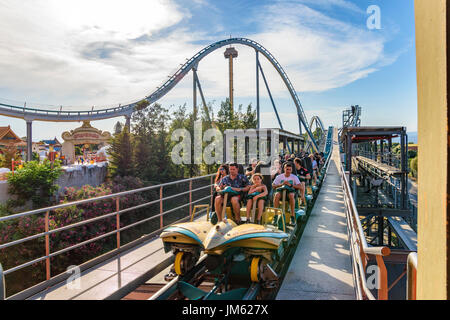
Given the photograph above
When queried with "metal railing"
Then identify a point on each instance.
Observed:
(411, 283)
(360, 250)
(117, 213)
(390, 159)
(2, 284)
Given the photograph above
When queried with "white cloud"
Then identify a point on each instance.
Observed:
(53, 49)
(330, 4)
(317, 52)
(82, 53)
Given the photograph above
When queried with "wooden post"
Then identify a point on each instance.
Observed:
(432, 58)
(383, 283)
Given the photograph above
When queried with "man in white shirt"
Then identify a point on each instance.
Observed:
(290, 180)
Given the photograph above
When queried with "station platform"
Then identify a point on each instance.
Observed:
(321, 268)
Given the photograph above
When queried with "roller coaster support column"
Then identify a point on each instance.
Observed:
(29, 140)
(194, 92)
(268, 91)
(390, 151)
(205, 107)
(257, 91)
(404, 158)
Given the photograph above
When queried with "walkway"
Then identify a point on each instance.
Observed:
(113, 278)
(321, 267)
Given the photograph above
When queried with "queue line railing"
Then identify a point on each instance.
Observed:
(360, 250)
(117, 213)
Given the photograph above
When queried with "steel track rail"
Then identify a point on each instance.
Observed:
(166, 292)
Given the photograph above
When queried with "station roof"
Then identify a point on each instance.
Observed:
(285, 133)
(9, 138)
(282, 133)
(364, 134)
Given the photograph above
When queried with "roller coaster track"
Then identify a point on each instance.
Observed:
(126, 110)
(319, 124)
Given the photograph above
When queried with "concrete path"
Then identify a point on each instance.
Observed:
(111, 278)
(106, 279)
(321, 267)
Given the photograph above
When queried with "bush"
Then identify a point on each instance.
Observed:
(412, 154)
(413, 166)
(35, 182)
(9, 153)
(2, 160)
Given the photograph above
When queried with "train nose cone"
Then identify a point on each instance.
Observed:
(216, 235)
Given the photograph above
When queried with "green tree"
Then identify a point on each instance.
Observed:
(121, 155)
(396, 148)
(118, 127)
(151, 157)
(249, 119)
(412, 154)
(184, 120)
(36, 156)
(10, 153)
(414, 166)
(2, 160)
(35, 182)
(78, 151)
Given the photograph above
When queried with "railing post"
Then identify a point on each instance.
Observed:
(161, 224)
(211, 202)
(2, 284)
(411, 273)
(118, 222)
(383, 281)
(47, 246)
(190, 198)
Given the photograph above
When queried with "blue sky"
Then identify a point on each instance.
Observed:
(80, 54)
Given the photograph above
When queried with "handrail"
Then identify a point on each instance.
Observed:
(411, 270)
(360, 249)
(116, 213)
(114, 195)
(2, 284)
